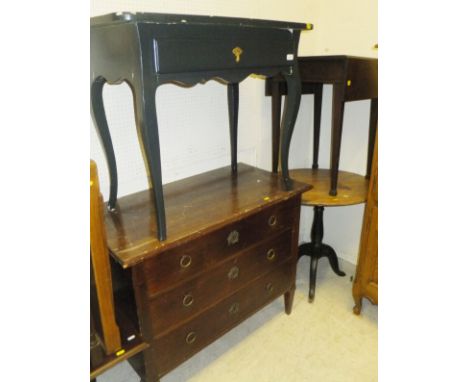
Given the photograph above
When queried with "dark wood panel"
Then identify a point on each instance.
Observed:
(362, 79)
(195, 206)
(178, 304)
(184, 261)
(177, 346)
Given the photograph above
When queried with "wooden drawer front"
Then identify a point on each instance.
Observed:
(180, 303)
(362, 79)
(180, 344)
(189, 259)
(182, 49)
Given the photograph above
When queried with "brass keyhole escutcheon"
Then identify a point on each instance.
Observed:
(237, 51)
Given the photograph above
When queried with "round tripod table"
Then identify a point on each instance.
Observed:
(352, 189)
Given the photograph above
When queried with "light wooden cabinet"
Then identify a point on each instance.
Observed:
(366, 280)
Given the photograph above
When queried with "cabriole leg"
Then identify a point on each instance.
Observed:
(100, 122)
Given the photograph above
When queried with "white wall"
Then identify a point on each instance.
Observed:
(193, 123)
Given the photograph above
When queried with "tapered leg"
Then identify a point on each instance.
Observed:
(276, 123)
(293, 100)
(233, 107)
(288, 300)
(317, 120)
(357, 298)
(312, 277)
(145, 110)
(372, 131)
(100, 122)
(337, 128)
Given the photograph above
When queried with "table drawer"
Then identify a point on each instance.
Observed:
(180, 303)
(183, 49)
(200, 254)
(175, 347)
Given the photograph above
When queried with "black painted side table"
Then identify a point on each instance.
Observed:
(353, 79)
(147, 50)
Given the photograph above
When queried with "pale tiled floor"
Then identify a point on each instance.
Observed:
(323, 341)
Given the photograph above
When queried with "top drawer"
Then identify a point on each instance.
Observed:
(191, 48)
(199, 254)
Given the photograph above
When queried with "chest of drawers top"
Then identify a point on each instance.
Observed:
(195, 207)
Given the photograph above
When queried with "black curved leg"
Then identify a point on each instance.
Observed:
(100, 122)
(337, 129)
(304, 250)
(313, 277)
(145, 111)
(233, 107)
(275, 124)
(291, 108)
(333, 259)
(316, 249)
(317, 120)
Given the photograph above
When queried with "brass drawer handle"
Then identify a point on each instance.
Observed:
(269, 287)
(188, 300)
(271, 254)
(233, 273)
(272, 220)
(233, 238)
(234, 308)
(191, 337)
(185, 261)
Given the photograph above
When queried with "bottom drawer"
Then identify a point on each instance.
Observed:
(180, 344)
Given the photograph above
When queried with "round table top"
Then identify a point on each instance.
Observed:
(352, 188)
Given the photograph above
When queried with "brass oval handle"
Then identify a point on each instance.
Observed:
(185, 261)
(271, 254)
(234, 308)
(233, 237)
(272, 220)
(191, 337)
(269, 287)
(188, 300)
(233, 273)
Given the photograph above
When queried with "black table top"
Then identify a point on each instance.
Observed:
(168, 18)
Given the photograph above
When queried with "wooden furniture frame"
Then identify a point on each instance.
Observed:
(147, 50)
(113, 337)
(353, 79)
(232, 251)
(366, 280)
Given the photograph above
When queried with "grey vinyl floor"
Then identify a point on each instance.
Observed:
(322, 341)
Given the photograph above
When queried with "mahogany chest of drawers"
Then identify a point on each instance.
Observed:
(232, 250)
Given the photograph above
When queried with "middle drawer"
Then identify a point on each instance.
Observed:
(178, 304)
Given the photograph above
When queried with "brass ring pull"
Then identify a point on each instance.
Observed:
(269, 287)
(233, 273)
(271, 254)
(185, 261)
(272, 220)
(188, 300)
(234, 308)
(191, 337)
(233, 238)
